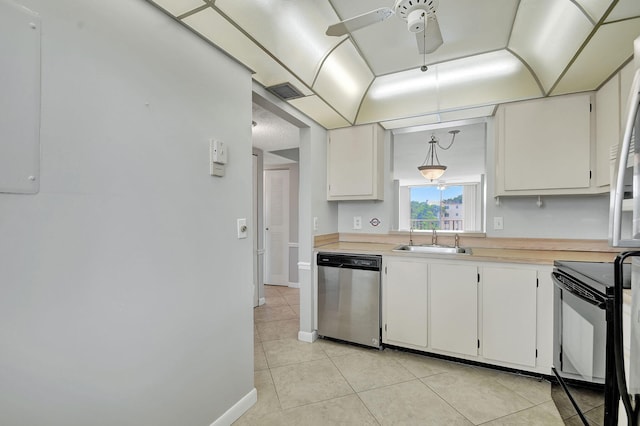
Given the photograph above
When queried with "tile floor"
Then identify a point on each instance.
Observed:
(328, 383)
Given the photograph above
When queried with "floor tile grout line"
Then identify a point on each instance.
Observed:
(444, 399)
(352, 388)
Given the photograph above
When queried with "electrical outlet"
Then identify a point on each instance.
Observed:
(242, 228)
(315, 223)
(497, 223)
(357, 222)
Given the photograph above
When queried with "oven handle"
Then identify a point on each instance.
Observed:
(555, 274)
(632, 407)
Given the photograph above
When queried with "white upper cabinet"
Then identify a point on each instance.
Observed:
(355, 163)
(607, 128)
(544, 147)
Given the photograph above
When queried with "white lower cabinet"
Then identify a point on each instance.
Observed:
(494, 313)
(509, 315)
(453, 313)
(404, 302)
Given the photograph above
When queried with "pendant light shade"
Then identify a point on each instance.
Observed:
(433, 170)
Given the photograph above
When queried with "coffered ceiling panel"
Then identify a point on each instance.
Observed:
(480, 80)
(547, 34)
(598, 61)
(468, 27)
(214, 27)
(343, 80)
(493, 51)
(594, 8)
(624, 9)
(322, 113)
(424, 120)
(292, 31)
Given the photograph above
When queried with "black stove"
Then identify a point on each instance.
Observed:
(584, 297)
(597, 275)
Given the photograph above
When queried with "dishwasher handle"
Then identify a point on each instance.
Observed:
(363, 262)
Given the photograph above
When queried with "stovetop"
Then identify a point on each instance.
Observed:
(598, 275)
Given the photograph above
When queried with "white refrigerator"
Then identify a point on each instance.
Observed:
(624, 233)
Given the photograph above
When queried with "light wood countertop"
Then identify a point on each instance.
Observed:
(540, 257)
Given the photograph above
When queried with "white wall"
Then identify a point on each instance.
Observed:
(125, 296)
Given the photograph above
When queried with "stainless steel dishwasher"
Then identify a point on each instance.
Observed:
(349, 298)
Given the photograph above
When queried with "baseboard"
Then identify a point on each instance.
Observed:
(294, 285)
(305, 336)
(262, 301)
(238, 409)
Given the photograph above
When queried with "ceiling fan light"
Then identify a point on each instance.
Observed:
(432, 172)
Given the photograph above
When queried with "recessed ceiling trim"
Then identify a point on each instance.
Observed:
(324, 59)
(197, 34)
(583, 45)
(193, 12)
(364, 96)
(531, 71)
(584, 12)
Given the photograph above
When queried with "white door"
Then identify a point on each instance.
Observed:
(276, 221)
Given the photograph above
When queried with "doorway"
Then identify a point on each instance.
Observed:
(276, 222)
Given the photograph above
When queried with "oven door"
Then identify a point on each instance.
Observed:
(580, 331)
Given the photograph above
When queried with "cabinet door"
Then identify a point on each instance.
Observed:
(355, 163)
(453, 308)
(405, 301)
(547, 144)
(607, 128)
(509, 315)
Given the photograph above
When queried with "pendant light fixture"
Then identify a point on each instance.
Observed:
(434, 169)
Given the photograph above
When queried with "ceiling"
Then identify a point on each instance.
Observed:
(494, 51)
(277, 138)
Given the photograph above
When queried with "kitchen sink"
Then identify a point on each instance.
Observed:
(433, 248)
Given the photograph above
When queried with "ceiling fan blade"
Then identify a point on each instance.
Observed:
(431, 38)
(360, 21)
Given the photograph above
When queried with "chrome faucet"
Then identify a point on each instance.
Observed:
(434, 237)
(457, 237)
(411, 235)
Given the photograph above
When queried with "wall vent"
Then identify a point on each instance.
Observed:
(285, 91)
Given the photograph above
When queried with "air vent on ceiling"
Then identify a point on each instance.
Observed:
(285, 91)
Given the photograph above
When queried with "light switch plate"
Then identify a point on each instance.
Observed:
(315, 223)
(217, 151)
(497, 223)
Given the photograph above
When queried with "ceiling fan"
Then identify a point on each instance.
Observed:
(419, 14)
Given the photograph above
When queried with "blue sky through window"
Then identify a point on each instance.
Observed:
(432, 193)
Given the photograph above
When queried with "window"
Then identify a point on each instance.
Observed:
(441, 207)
